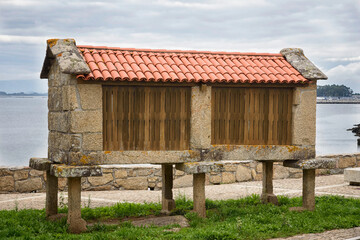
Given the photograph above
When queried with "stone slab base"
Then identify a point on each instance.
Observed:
(145, 176)
(352, 175)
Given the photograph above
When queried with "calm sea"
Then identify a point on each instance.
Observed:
(23, 129)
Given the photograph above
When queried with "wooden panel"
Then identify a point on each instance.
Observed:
(251, 116)
(146, 118)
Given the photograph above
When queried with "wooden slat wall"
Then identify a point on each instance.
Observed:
(146, 118)
(251, 116)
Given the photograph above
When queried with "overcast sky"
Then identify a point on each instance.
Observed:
(328, 31)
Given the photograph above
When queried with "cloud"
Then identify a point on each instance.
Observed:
(346, 59)
(22, 39)
(326, 30)
(349, 75)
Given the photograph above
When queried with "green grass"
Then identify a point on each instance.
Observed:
(244, 218)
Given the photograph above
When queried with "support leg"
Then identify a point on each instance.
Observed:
(76, 223)
(309, 189)
(268, 195)
(168, 202)
(51, 204)
(199, 194)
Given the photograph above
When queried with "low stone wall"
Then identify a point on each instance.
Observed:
(143, 177)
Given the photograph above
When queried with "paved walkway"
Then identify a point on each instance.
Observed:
(325, 185)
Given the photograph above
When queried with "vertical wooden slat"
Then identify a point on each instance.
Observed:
(251, 116)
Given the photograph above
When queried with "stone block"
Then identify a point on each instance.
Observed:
(6, 172)
(316, 163)
(184, 181)
(200, 167)
(230, 167)
(258, 177)
(57, 155)
(62, 183)
(153, 157)
(107, 170)
(70, 101)
(80, 158)
(352, 175)
(253, 173)
(58, 121)
(280, 172)
(258, 152)
(304, 117)
(259, 168)
(6, 184)
(153, 179)
(29, 185)
(296, 57)
(90, 96)
(55, 99)
(215, 179)
(200, 135)
(243, 174)
(64, 141)
(61, 170)
(144, 172)
(86, 121)
(179, 172)
(54, 79)
(227, 177)
(120, 173)
(157, 172)
(346, 161)
(98, 181)
(67, 57)
(92, 142)
(136, 183)
(41, 164)
(20, 175)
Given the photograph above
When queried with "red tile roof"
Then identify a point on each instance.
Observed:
(128, 64)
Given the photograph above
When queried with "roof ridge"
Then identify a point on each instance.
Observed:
(179, 51)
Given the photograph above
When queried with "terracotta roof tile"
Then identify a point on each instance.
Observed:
(128, 64)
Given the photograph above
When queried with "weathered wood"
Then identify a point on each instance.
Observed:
(251, 116)
(146, 118)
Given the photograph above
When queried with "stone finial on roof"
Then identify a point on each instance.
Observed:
(65, 52)
(296, 57)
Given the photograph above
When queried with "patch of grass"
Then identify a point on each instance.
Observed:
(244, 218)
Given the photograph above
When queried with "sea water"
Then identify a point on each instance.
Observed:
(23, 129)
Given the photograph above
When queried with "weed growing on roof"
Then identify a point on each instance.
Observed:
(244, 218)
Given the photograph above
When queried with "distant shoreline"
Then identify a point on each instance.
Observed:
(22, 94)
(337, 102)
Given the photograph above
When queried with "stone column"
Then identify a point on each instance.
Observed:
(51, 204)
(268, 195)
(199, 194)
(76, 223)
(309, 189)
(168, 202)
